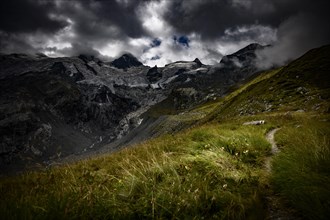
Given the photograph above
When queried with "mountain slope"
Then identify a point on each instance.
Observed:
(212, 170)
(302, 85)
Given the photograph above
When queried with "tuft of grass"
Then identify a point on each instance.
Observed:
(301, 171)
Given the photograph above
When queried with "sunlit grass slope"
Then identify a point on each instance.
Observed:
(212, 171)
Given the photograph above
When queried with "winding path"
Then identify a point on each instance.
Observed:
(276, 211)
(270, 138)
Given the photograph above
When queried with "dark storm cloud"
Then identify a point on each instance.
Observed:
(90, 16)
(93, 18)
(96, 22)
(300, 24)
(24, 16)
(297, 35)
(211, 18)
(12, 43)
(302, 31)
(25, 21)
(91, 22)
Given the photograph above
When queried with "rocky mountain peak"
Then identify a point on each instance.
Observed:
(198, 62)
(126, 61)
(250, 47)
(243, 57)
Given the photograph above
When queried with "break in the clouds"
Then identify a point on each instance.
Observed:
(163, 31)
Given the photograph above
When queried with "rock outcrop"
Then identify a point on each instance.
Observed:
(154, 75)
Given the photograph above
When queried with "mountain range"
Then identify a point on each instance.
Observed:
(51, 108)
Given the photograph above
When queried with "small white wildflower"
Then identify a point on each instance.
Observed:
(224, 186)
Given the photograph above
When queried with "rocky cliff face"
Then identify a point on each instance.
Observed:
(54, 107)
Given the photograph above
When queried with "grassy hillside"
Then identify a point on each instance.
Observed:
(213, 170)
(303, 85)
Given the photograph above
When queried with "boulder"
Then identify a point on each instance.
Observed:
(260, 122)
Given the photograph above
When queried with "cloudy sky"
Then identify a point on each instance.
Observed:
(162, 31)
